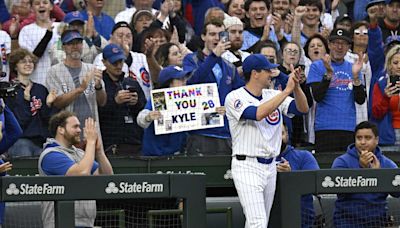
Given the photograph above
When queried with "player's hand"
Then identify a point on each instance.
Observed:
(221, 48)
(221, 110)
(153, 115)
(86, 80)
(366, 158)
(90, 131)
(7, 166)
(296, 73)
(291, 84)
(123, 96)
(283, 166)
(51, 97)
(27, 91)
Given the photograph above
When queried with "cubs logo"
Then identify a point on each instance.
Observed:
(237, 104)
(274, 118)
(144, 75)
(115, 50)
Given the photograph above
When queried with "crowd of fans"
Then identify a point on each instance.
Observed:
(72, 55)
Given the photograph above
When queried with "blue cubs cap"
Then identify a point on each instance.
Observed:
(374, 2)
(113, 53)
(74, 16)
(390, 1)
(70, 35)
(257, 62)
(171, 72)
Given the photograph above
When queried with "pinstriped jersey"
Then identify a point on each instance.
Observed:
(251, 137)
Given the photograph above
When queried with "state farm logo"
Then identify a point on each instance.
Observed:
(348, 182)
(126, 187)
(396, 181)
(27, 189)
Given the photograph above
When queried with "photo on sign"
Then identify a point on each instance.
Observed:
(210, 119)
(160, 121)
(168, 125)
(210, 91)
(159, 101)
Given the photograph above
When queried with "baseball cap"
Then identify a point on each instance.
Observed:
(390, 1)
(171, 72)
(113, 53)
(73, 16)
(344, 17)
(230, 21)
(121, 24)
(340, 34)
(374, 2)
(257, 62)
(140, 13)
(70, 35)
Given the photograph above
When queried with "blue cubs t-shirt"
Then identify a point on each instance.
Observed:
(337, 110)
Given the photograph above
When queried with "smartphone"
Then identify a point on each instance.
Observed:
(224, 36)
(393, 80)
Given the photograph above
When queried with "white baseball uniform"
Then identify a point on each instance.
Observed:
(255, 181)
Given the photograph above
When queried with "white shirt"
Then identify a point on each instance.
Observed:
(139, 70)
(230, 57)
(5, 49)
(29, 38)
(250, 137)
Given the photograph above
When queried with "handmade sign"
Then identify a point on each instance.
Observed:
(186, 108)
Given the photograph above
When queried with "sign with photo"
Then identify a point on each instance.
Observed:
(186, 108)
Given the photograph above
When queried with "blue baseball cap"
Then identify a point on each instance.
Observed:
(113, 53)
(171, 72)
(70, 35)
(257, 62)
(374, 2)
(390, 1)
(74, 16)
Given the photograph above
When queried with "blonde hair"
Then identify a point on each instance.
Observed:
(389, 57)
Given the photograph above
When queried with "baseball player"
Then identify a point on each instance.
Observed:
(255, 120)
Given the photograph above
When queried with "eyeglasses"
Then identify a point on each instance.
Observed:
(291, 51)
(361, 32)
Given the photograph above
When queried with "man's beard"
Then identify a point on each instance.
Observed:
(72, 139)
